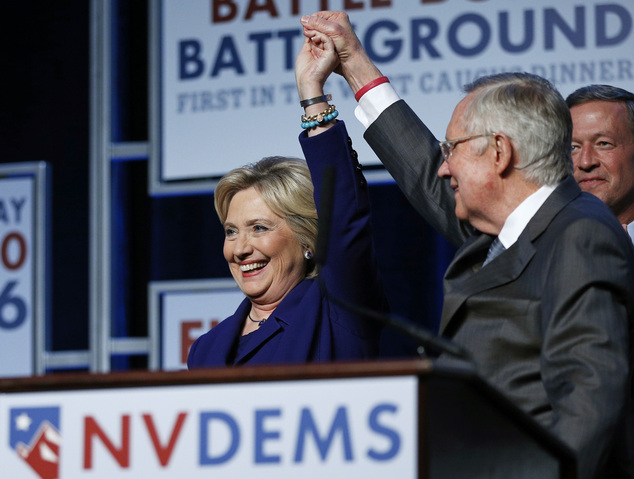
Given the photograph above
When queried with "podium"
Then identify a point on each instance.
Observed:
(405, 419)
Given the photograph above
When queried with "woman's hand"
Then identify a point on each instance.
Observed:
(316, 61)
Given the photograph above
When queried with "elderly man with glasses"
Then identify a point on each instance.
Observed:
(548, 320)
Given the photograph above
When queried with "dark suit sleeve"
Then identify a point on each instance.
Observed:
(585, 366)
(411, 154)
(350, 272)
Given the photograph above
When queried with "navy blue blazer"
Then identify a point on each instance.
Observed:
(307, 326)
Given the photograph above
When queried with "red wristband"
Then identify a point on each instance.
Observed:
(364, 89)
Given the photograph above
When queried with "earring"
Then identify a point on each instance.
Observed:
(308, 254)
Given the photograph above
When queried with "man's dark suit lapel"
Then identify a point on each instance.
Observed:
(465, 277)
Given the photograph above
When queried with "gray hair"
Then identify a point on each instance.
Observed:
(533, 114)
(614, 94)
(285, 186)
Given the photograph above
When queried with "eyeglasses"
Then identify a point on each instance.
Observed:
(447, 146)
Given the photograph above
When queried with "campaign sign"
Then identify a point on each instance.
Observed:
(337, 428)
(17, 291)
(187, 309)
(223, 70)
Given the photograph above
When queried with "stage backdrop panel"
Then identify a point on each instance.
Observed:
(223, 88)
(183, 310)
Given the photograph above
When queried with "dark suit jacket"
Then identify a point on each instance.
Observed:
(307, 325)
(548, 321)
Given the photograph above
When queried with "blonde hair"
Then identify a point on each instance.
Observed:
(286, 187)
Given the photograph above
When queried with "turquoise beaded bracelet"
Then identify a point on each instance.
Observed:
(324, 117)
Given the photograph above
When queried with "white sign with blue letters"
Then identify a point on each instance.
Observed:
(227, 91)
(17, 291)
(335, 428)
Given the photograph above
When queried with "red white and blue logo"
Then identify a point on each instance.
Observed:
(35, 437)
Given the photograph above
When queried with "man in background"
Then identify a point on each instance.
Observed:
(603, 147)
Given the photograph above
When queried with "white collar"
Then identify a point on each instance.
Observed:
(519, 218)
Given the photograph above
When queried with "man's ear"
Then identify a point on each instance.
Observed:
(505, 154)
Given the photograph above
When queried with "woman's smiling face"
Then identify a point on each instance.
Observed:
(263, 254)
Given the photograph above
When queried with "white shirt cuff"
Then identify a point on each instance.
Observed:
(374, 102)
